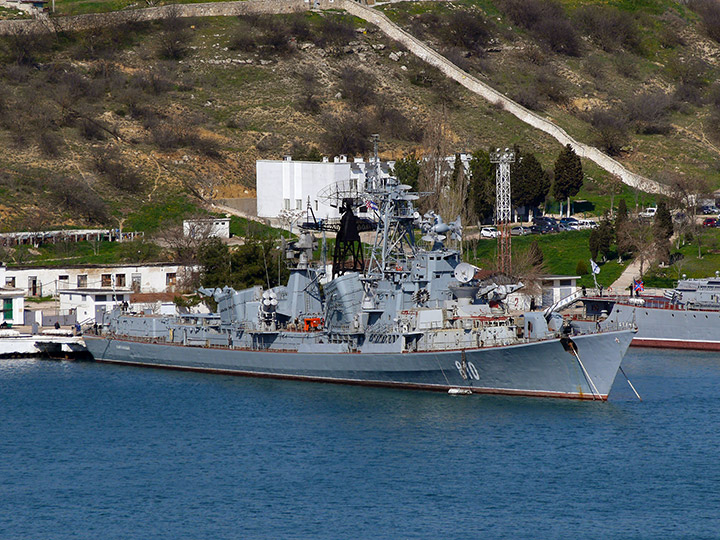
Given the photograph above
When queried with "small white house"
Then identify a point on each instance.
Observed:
(555, 288)
(90, 304)
(207, 228)
(12, 301)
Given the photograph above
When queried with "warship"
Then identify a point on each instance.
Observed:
(407, 317)
(686, 317)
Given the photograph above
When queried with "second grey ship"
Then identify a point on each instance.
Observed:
(408, 317)
(686, 317)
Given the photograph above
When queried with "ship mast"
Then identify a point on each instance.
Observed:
(394, 235)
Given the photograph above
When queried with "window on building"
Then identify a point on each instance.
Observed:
(106, 280)
(286, 204)
(170, 279)
(298, 204)
(136, 282)
(7, 309)
(565, 282)
(10, 282)
(101, 298)
(119, 280)
(82, 281)
(63, 281)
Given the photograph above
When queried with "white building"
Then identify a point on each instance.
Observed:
(150, 277)
(12, 301)
(207, 227)
(287, 184)
(90, 304)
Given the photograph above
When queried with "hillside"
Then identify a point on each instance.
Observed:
(150, 119)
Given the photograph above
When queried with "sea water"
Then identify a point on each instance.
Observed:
(100, 451)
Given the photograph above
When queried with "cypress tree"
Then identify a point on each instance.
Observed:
(407, 171)
(530, 183)
(568, 175)
(482, 186)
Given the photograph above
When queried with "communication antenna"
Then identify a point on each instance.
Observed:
(503, 208)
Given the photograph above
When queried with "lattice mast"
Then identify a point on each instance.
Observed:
(503, 206)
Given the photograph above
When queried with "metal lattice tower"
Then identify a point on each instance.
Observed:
(503, 206)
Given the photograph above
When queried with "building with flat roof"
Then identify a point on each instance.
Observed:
(289, 185)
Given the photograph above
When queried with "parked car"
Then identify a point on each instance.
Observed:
(569, 224)
(489, 232)
(649, 212)
(710, 209)
(519, 230)
(588, 224)
(710, 222)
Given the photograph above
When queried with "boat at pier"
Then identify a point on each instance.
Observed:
(686, 317)
(409, 317)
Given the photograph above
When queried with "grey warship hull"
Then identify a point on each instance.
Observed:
(546, 368)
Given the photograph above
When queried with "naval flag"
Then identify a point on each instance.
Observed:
(595, 267)
(371, 205)
(638, 286)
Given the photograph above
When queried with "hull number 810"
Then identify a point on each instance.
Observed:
(471, 372)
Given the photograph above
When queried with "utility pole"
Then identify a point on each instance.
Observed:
(503, 206)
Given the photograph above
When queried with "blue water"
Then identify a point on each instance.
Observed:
(99, 451)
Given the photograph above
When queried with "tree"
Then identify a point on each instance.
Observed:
(407, 171)
(612, 187)
(663, 225)
(601, 239)
(482, 186)
(253, 263)
(530, 183)
(568, 175)
(687, 191)
(621, 229)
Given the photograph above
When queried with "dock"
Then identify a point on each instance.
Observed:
(49, 343)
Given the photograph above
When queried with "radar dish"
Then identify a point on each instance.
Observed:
(465, 272)
(334, 194)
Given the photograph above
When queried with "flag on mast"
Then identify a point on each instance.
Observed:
(595, 267)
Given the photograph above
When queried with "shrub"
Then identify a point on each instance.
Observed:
(357, 86)
(547, 20)
(346, 134)
(549, 84)
(50, 144)
(581, 268)
(649, 112)
(709, 11)
(467, 29)
(560, 36)
(608, 26)
(626, 65)
(75, 195)
(528, 97)
(611, 127)
(109, 163)
(91, 130)
(335, 30)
